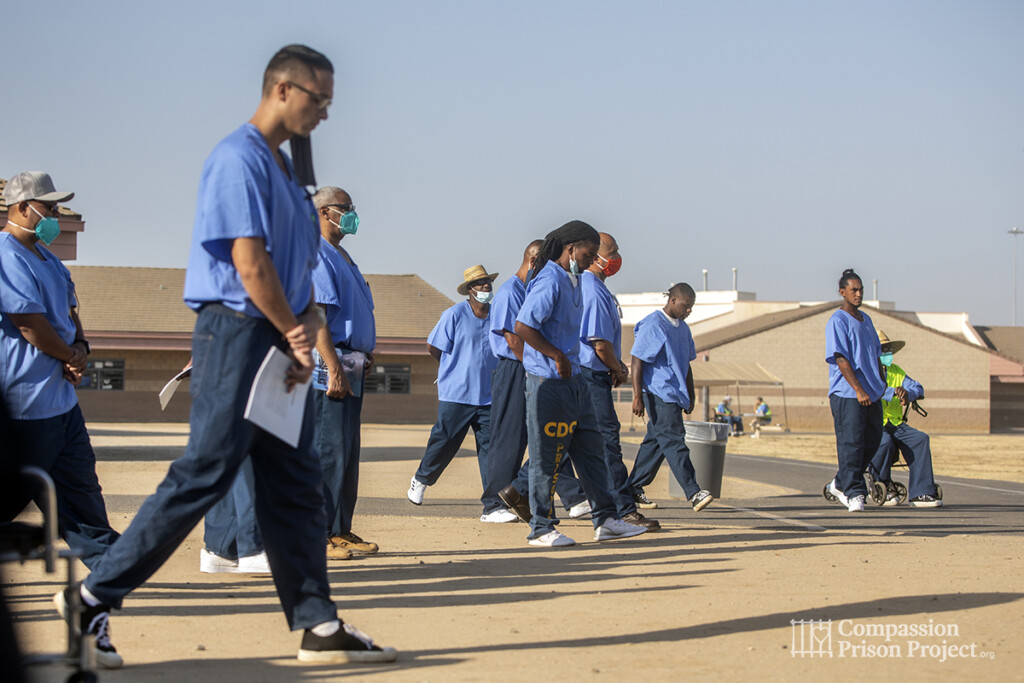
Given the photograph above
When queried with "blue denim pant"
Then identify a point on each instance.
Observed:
(230, 528)
(567, 485)
(560, 418)
(227, 350)
(858, 433)
(453, 423)
(917, 451)
(508, 430)
(599, 385)
(336, 439)
(665, 440)
(60, 446)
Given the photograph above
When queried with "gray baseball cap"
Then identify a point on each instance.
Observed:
(36, 185)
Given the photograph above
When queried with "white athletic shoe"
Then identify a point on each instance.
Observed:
(254, 564)
(211, 563)
(415, 492)
(580, 509)
(552, 539)
(616, 528)
(500, 516)
(840, 496)
(856, 504)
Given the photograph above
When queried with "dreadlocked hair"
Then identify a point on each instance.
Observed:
(557, 240)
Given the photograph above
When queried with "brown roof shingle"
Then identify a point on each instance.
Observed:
(120, 299)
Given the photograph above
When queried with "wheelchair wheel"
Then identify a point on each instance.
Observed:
(869, 480)
(938, 491)
(901, 491)
(878, 492)
(828, 494)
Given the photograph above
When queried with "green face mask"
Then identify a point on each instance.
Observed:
(886, 359)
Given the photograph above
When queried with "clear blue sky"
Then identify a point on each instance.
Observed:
(788, 139)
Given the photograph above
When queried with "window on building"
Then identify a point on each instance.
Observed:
(622, 395)
(104, 374)
(388, 379)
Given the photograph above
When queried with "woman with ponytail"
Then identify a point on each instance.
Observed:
(559, 414)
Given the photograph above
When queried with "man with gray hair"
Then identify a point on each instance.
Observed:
(344, 354)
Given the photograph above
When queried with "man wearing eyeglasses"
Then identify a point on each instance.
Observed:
(44, 356)
(344, 354)
(249, 278)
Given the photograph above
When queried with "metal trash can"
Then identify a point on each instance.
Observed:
(706, 441)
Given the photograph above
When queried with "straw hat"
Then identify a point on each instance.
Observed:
(896, 345)
(472, 275)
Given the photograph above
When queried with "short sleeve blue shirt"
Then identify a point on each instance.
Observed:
(600, 321)
(857, 341)
(464, 375)
(554, 308)
(32, 382)
(244, 193)
(667, 351)
(504, 309)
(342, 289)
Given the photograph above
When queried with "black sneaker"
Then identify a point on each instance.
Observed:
(516, 503)
(926, 502)
(93, 620)
(347, 645)
(642, 501)
(636, 519)
(701, 500)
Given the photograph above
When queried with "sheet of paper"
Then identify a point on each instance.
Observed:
(352, 363)
(271, 407)
(172, 386)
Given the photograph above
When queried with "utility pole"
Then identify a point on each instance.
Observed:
(1015, 232)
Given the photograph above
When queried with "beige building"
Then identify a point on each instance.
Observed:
(140, 332)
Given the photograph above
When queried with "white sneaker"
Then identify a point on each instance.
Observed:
(501, 516)
(856, 504)
(840, 496)
(254, 564)
(415, 492)
(211, 563)
(552, 539)
(616, 528)
(580, 509)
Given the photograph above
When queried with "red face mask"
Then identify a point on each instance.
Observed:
(611, 265)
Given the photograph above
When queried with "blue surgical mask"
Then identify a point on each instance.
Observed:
(46, 229)
(349, 222)
(886, 359)
(483, 297)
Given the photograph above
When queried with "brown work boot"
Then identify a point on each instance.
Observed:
(337, 552)
(636, 519)
(516, 503)
(354, 544)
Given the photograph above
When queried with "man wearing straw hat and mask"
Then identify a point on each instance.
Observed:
(897, 434)
(459, 342)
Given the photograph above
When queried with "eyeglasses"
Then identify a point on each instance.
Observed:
(52, 207)
(343, 208)
(322, 101)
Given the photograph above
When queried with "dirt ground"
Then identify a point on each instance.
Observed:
(465, 601)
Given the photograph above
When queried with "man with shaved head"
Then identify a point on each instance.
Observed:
(508, 408)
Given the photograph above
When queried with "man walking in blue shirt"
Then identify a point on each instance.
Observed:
(663, 388)
(344, 355)
(459, 342)
(249, 279)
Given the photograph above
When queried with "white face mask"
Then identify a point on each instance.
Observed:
(483, 297)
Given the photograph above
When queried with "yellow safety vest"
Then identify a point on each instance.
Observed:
(892, 410)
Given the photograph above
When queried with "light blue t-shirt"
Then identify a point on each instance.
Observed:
(857, 341)
(464, 375)
(667, 351)
(244, 193)
(600, 321)
(340, 287)
(504, 309)
(32, 382)
(554, 308)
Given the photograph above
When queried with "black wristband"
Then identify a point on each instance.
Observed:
(88, 349)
